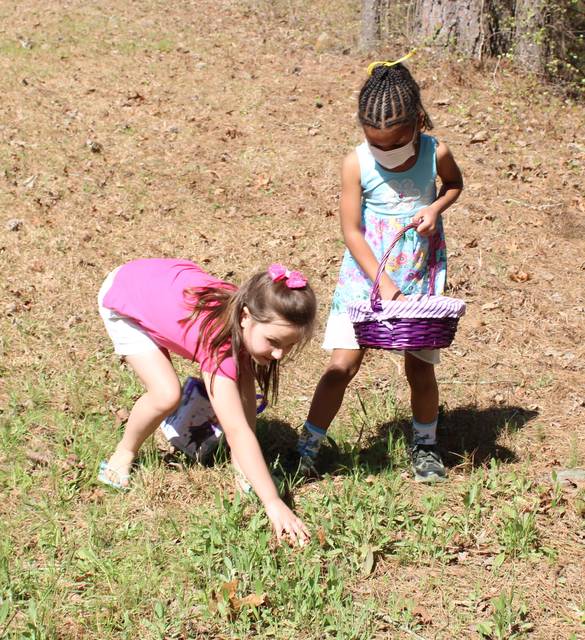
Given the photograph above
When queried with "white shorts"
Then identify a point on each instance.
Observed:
(128, 338)
(339, 334)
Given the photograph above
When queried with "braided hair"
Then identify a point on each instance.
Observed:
(391, 96)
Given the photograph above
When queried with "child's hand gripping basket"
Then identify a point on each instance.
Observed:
(420, 322)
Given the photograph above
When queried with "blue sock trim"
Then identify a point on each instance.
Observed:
(310, 440)
(315, 430)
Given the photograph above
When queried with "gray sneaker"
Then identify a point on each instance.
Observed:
(307, 467)
(427, 464)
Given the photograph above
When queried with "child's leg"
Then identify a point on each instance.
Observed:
(424, 392)
(424, 400)
(163, 394)
(327, 399)
(328, 396)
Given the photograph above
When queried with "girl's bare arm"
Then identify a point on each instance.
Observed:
(236, 414)
(351, 220)
(451, 188)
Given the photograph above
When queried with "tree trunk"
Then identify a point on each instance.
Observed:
(542, 36)
(531, 36)
(370, 35)
(461, 25)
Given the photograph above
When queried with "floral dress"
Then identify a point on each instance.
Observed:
(390, 200)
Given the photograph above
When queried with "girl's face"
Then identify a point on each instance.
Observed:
(267, 341)
(391, 138)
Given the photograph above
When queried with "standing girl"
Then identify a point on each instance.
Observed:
(386, 183)
(154, 307)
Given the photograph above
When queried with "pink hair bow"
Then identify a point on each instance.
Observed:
(294, 279)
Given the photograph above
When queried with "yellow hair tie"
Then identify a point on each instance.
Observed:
(382, 63)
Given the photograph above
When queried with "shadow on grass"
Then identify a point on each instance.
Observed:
(472, 433)
(277, 439)
(467, 436)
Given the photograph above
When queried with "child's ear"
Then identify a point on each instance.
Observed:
(421, 121)
(245, 317)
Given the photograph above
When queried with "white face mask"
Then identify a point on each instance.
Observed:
(394, 157)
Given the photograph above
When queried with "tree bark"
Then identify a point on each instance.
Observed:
(530, 45)
(461, 25)
(370, 35)
(542, 36)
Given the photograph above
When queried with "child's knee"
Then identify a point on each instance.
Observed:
(420, 374)
(342, 372)
(166, 400)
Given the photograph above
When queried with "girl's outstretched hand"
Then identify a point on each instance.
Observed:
(285, 523)
(427, 222)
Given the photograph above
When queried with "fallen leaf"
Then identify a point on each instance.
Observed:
(369, 561)
(133, 98)
(71, 462)
(94, 495)
(94, 146)
(228, 589)
(14, 224)
(322, 42)
(263, 182)
(520, 276)
(253, 600)
(38, 458)
(479, 136)
(232, 133)
(121, 416)
(29, 183)
(72, 321)
(321, 536)
(422, 614)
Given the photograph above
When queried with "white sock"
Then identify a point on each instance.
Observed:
(424, 433)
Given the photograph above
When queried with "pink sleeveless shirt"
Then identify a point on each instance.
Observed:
(150, 293)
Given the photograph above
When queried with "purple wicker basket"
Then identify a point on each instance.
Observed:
(421, 322)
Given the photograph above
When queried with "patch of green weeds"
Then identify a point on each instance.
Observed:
(472, 502)
(508, 619)
(164, 45)
(401, 612)
(579, 503)
(574, 460)
(517, 532)
(430, 532)
(540, 432)
(543, 381)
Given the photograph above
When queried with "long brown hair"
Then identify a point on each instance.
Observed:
(221, 310)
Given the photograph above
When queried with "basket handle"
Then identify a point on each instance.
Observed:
(375, 299)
